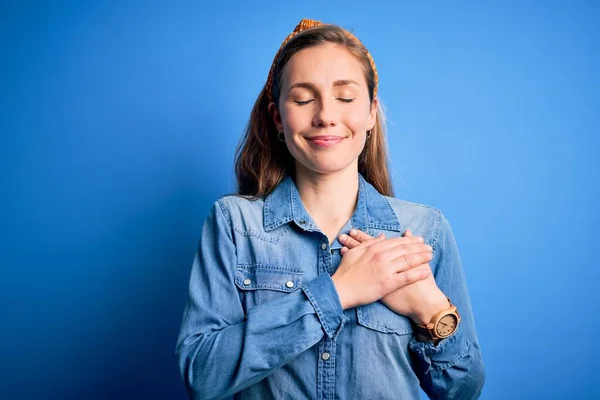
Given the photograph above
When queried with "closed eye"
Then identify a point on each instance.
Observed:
(302, 103)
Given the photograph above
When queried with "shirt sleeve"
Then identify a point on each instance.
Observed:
(452, 369)
(221, 351)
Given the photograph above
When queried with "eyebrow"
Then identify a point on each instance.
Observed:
(308, 85)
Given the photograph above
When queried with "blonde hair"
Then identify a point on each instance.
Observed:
(263, 161)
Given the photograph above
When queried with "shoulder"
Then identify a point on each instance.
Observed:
(408, 209)
(235, 204)
(242, 213)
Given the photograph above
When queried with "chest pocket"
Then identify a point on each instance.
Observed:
(259, 283)
(378, 317)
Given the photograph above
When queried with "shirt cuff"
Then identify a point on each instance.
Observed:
(324, 298)
(445, 354)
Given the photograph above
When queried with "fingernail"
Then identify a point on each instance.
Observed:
(421, 240)
(353, 232)
(343, 237)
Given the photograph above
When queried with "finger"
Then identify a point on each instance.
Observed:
(411, 276)
(408, 254)
(359, 235)
(400, 250)
(348, 241)
(351, 242)
(424, 267)
(410, 261)
(397, 241)
(344, 250)
(379, 239)
(408, 233)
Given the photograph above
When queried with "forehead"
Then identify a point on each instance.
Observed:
(323, 64)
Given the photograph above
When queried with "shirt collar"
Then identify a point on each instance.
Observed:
(372, 208)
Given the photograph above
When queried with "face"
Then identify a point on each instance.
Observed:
(324, 109)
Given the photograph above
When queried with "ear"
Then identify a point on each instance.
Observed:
(373, 113)
(276, 116)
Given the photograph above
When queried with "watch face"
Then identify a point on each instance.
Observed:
(446, 325)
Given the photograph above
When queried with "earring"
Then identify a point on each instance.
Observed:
(369, 134)
(280, 136)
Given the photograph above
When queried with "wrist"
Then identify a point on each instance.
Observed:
(340, 292)
(430, 309)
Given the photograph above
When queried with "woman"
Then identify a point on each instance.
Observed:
(280, 306)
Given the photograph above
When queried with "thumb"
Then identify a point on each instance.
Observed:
(408, 233)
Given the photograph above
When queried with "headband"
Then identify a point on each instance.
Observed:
(303, 25)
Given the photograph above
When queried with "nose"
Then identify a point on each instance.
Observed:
(325, 113)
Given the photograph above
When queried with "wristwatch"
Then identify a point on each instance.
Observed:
(442, 325)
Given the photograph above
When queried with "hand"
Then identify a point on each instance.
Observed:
(420, 300)
(378, 266)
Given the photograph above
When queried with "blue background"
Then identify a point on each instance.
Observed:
(118, 127)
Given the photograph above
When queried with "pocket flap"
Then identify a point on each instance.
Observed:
(378, 317)
(272, 277)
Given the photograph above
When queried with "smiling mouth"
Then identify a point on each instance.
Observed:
(325, 141)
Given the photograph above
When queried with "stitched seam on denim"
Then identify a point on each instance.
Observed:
(392, 212)
(277, 224)
(320, 370)
(363, 191)
(225, 213)
(260, 235)
(239, 280)
(315, 305)
(266, 210)
(380, 328)
(330, 365)
(268, 216)
(271, 267)
(326, 267)
(383, 329)
(411, 203)
(438, 226)
(379, 225)
(283, 272)
(447, 364)
(292, 201)
(281, 288)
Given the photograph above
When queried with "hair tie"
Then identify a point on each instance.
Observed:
(304, 24)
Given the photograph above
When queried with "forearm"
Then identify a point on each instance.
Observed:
(222, 362)
(452, 369)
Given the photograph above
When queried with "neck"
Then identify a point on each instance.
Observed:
(330, 199)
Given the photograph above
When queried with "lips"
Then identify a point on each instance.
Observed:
(325, 140)
(326, 137)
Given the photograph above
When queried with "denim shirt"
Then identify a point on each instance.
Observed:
(263, 319)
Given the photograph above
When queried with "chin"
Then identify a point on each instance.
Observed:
(328, 168)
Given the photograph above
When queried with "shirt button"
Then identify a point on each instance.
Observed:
(289, 284)
(302, 222)
(247, 282)
(325, 356)
(324, 246)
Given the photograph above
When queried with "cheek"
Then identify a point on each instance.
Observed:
(292, 119)
(357, 120)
